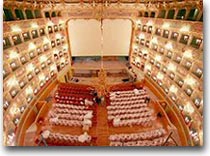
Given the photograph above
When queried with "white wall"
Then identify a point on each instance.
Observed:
(85, 37)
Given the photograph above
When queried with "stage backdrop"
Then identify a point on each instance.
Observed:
(85, 37)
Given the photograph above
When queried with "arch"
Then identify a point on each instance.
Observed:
(152, 14)
(53, 14)
(171, 14)
(29, 14)
(37, 13)
(19, 14)
(146, 14)
(8, 14)
(162, 14)
(193, 14)
(47, 14)
(181, 14)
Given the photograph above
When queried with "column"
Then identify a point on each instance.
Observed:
(176, 13)
(166, 14)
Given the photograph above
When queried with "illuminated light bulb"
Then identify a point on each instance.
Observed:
(41, 77)
(144, 51)
(154, 40)
(22, 84)
(198, 71)
(62, 60)
(166, 25)
(166, 32)
(46, 40)
(188, 54)
(137, 59)
(53, 67)
(138, 22)
(58, 35)
(12, 82)
(180, 82)
(148, 67)
(173, 89)
(43, 58)
(166, 90)
(164, 69)
(29, 90)
(141, 36)
(171, 67)
(16, 28)
(160, 76)
(35, 90)
(158, 58)
(198, 41)
(169, 46)
(61, 21)
(189, 91)
(190, 81)
(32, 46)
(30, 67)
(14, 109)
(25, 34)
(50, 23)
(37, 70)
(13, 55)
(175, 34)
(34, 25)
(185, 28)
(189, 108)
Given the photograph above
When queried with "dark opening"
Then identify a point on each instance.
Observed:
(8, 14)
(29, 14)
(19, 14)
(171, 14)
(181, 14)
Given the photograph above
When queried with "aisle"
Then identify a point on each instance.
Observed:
(102, 130)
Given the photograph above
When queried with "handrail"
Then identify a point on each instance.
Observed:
(173, 108)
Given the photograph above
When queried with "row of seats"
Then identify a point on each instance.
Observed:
(156, 137)
(129, 111)
(69, 111)
(143, 121)
(146, 135)
(131, 106)
(131, 98)
(128, 108)
(75, 107)
(68, 122)
(155, 142)
(128, 103)
(66, 139)
(130, 116)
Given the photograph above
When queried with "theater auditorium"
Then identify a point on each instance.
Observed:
(102, 73)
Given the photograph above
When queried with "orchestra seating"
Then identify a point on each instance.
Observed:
(129, 107)
(58, 139)
(155, 137)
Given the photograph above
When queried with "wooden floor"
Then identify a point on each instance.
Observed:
(101, 129)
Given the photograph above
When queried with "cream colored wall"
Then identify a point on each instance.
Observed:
(85, 37)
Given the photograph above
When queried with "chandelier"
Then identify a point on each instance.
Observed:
(101, 85)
